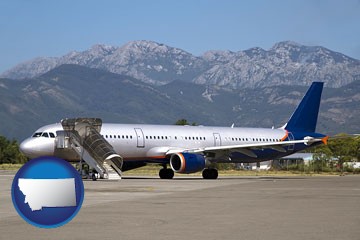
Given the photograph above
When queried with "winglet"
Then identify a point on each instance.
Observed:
(325, 140)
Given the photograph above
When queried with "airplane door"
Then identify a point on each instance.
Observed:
(140, 138)
(217, 139)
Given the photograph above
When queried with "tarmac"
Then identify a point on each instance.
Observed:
(193, 208)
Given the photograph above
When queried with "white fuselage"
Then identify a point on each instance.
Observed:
(146, 142)
(137, 141)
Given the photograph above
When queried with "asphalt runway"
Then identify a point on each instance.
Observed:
(193, 208)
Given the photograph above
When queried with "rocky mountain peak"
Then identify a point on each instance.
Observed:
(218, 56)
(102, 49)
(155, 63)
(309, 54)
(145, 46)
(152, 48)
(288, 45)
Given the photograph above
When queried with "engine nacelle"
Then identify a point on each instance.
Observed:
(187, 162)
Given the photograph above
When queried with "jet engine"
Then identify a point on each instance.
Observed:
(187, 162)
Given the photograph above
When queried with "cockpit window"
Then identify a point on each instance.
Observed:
(45, 134)
(37, 134)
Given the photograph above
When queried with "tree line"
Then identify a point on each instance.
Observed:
(9, 152)
(340, 149)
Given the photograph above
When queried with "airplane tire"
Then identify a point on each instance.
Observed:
(210, 173)
(214, 173)
(93, 177)
(166, 173)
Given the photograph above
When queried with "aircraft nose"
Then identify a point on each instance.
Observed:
(27, 147)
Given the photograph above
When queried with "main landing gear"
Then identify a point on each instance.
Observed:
(207, 173)
(166, 173)
(210, 173)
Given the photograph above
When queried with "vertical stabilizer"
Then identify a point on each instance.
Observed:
(304, 118)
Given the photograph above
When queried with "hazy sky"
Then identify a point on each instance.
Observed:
(30, 29)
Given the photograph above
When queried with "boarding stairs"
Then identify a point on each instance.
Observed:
(82, 136)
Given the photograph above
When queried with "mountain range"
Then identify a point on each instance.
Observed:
(286, 63)
(72, 90)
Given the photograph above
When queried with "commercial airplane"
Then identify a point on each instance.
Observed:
(189, 149)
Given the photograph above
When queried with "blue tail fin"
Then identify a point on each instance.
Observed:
(305, 116)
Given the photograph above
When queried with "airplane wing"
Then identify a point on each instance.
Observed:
(247, 148)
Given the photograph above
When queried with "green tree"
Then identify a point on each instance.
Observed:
(322, 157)
(344, 148)
(184, 122)
(9, 152)
(357, 147)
